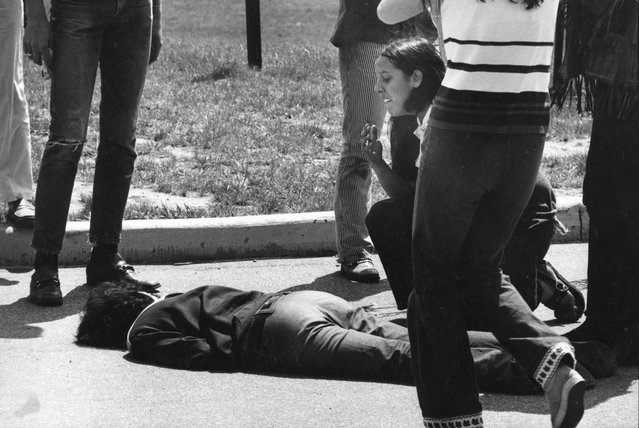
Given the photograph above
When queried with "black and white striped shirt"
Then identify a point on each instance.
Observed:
(498, 72)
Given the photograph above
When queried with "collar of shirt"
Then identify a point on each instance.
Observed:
(419, 133)
(128, 334)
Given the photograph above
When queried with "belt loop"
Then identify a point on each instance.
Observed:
(257, 325)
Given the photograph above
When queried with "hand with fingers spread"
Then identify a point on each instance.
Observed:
(370, 144)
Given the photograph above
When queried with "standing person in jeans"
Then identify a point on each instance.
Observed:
(16, 179)
(360, 37)
(122, 37)
(481, 154)
(602, 46)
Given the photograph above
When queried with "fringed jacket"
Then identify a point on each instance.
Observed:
(596, 53)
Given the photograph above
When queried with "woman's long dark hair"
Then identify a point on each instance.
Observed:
(412, 54)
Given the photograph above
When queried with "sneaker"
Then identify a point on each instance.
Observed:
(21, 213)
(565, 396)
(362, 270)
(117, 270)
(44, 289)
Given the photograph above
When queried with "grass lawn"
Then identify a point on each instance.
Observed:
(251, 142)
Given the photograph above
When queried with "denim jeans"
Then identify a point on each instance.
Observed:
(390, 221)
(116, 35)
(471, 190)
(361, 105)
(320, 334)
(315, 333)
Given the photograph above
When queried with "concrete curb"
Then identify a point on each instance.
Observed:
(277, 235)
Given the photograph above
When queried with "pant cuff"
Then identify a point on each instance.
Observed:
(95, 240)
(470, 421)
(551, 362)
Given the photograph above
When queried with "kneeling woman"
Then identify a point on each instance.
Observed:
(409, 74)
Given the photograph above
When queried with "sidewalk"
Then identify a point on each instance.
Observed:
(277, 235)
(48, 381)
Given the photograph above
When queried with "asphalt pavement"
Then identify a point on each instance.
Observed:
(48, 381)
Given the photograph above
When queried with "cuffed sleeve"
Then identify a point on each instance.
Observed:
(173, 349)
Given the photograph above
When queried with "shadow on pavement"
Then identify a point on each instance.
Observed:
(18, 317)
(604, 390)
(336, 284)
(4, 282)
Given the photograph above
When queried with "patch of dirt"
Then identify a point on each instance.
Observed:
(139, 196)
(149, 196)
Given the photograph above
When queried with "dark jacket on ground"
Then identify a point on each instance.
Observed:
(198, 330)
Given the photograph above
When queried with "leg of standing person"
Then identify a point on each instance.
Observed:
(470, 195)
(612, 200)
(389, 223)
(16, 180)
(352, 194)
(78, 33)
(124, 58)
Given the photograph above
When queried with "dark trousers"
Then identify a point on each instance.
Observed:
(316, 333)
(471, 191)
(611, 195)
(115, 35)
(390, 222)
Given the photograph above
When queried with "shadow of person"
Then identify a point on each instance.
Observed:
(4, 282)
(18, 318)
(336, 284)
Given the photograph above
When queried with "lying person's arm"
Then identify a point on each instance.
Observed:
(175, 350)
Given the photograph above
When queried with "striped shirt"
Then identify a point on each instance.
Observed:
(498, 72)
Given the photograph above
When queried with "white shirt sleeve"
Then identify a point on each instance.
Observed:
(394, 11)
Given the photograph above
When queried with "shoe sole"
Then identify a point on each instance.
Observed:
(572, 403)
(361, 278)
(21, 223)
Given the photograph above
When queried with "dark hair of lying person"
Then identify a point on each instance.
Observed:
(109, 313)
